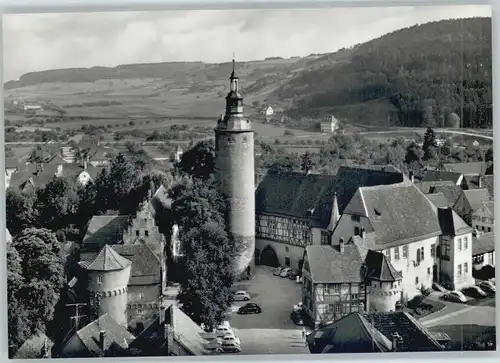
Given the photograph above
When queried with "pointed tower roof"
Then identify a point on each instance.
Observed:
(335, 215)
(379, 268)
(108, 260)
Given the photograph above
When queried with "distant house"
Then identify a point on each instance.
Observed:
(32, 176)
(177, 155)
(473, 172)
(483, 218)
(471, 200)
(173, 333)
(268, 111)
(100, 338)
(32, 108)
(83, 174)
(330, 124)
(483, 250)
(449, 189)
(440, 175)
(373, 332)
(11, 165)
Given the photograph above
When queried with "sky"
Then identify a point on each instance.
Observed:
(36, 42)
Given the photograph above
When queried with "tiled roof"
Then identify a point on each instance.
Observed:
(451, 223)
(379, 269)
(399, 213)
(328, 265)
(105, 230)
(108, 260)
(350, 334)
(441, 175)
(75, 169)
(473, 168)
(146, 268)
(476, 197)
(490, 207)
(438, 199)
(372, 332)
(488, 182)
(415, 337)
(115, 334)
(28, 173)
(34, 347)
(311, 195)
(451, 191)
(483, 243)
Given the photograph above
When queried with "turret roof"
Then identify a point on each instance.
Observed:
(108, 260)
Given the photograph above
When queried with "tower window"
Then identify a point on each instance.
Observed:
(99, 279)
(137, 232)
(146, 233)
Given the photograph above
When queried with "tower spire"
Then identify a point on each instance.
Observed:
(232, 73)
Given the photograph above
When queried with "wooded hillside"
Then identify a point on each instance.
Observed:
(417, 76)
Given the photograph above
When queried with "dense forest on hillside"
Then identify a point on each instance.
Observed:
(417, 76)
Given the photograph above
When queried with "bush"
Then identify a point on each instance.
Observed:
(425, 291)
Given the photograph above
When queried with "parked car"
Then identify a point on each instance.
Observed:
(240, 296)
(487, 286)
(285, 272)
(222, 331)
(292, 275)
(231, 338)
(455, 296)
(474, 291)
(231, 348)
(277, 271)
(250, 308)
(296, 317)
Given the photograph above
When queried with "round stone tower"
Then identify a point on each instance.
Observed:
(235, 171)
(108, 276)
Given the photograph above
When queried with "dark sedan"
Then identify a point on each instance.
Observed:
(250, 308)
(296, 317)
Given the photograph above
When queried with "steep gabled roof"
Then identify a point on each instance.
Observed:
(105, 230)
(475, 197)
(399, 213)
(108, 260)
(89, 337)
(489, 206)
(372, 332)
(311, 196)
(328, 265)
(451, 223)
(379, 268)
(450, 190)
(483, 243)
(438, 199)
(473, 168)
(441, 175)
(146, 268)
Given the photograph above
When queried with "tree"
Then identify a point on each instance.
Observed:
(429, 143)
(199, 161)
(207, 276)
(307, 163)
(453, 121)
(57, 203)
(20, 210)
(40, 264)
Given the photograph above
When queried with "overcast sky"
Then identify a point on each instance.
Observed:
(47, 41)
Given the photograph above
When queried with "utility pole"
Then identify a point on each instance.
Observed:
(77, 316)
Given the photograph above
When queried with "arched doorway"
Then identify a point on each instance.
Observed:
(257, 256)
(269, 257)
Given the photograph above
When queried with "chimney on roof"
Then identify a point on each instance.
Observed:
(480, 182)
(102, 336)
(341, 245)
(397, 340)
